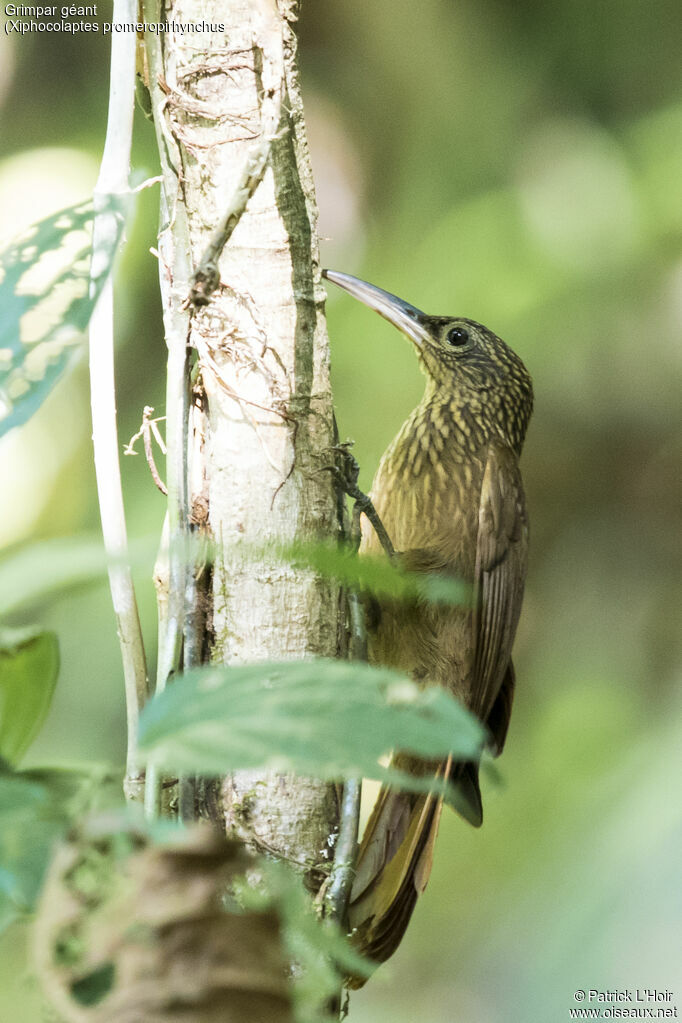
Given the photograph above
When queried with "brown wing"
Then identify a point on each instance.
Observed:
(501, 555)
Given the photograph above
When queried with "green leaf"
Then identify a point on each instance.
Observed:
(36, 807)
(9, 912)
(33, 572)
(323, 954)
(48, 567)
(331, 719)
(36, 571)
(378, 575)
(27, 831)
(19, 796)
(96, 985)
(29, 666)
(47, 300)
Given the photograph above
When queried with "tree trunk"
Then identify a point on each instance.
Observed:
(264, 427)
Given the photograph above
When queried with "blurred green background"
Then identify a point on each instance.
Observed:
(520, 164)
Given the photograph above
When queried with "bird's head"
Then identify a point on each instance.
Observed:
(462, 359)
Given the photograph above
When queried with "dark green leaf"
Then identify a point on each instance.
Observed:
(47, 300)
(94, 986)
(29, 665)
(330, 719)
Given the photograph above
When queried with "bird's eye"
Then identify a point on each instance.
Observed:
(457, 337)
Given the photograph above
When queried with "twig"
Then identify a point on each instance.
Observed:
(342, 875)
(207, 275)
(147, 423)
(148, 428)
(157, 433)
(189, 789)
(173, 238)
(149, 454)
(358, 629)
(113, 178)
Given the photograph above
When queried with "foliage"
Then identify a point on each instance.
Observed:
(32, 803)
(456, 189)
(325, 718)
(52, 566)
(319, 949)
(47, 294)
(29, 665)
(377, 575)
(103, 873)
(35, 808)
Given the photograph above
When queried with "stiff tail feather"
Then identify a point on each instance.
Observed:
(395, 860)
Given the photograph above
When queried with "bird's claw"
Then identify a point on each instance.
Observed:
(346, 470)
(346, 476)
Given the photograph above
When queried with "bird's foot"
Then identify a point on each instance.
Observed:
(345, 472)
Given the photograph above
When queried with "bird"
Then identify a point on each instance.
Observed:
(449, 493)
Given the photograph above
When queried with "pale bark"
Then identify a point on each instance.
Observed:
(264, 361)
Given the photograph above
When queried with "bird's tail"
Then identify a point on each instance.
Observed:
(395, 859)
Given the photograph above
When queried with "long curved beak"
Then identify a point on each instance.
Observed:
(407, 318)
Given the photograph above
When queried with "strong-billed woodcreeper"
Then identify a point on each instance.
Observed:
(449, 493)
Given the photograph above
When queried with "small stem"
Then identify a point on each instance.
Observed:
(345, 854)
(113, 178)
(175, 259)
(346, 851)
(207, 275)
(152, 792)
(358, 629)
(148, 451)
(189, 795)
(187, 798)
